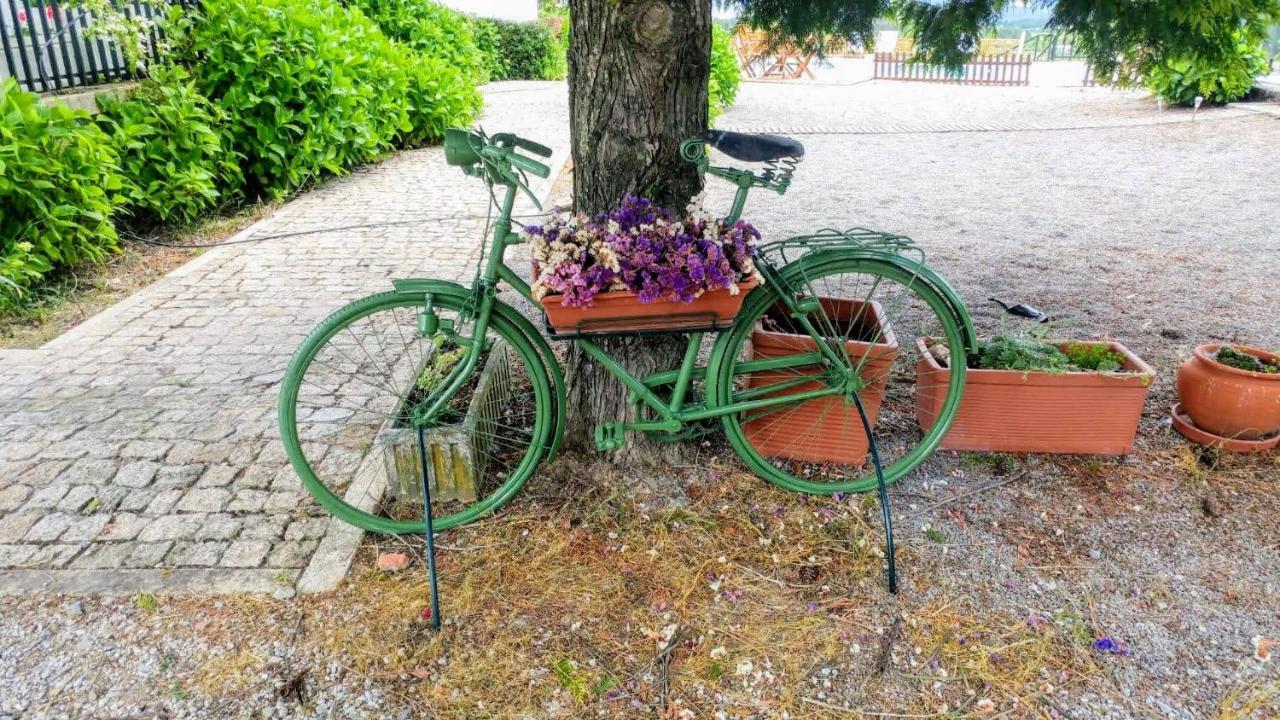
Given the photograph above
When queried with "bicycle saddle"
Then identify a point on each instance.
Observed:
(753, 147)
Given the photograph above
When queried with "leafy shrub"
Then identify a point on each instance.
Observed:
(722, 86)
(311, 87)
(521, 50)
(1179, 80)
(433, 30)
(174, 159)
(489, 42)
(439, 97)
(58, 177)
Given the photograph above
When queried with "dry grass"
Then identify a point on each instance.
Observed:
(1252, 701)
(742, 599)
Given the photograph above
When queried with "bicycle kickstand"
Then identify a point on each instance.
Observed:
(430, 532)
(885, 512)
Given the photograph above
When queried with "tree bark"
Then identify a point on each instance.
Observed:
(637, 87)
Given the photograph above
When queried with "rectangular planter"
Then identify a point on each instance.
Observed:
(621, 311)
(1089, 413)
(456, 454)
(825, 430)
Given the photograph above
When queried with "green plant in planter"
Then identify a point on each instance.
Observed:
(1232, 357)
(1005, 352)
(1097, 358)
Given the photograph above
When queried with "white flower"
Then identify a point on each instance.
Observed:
(744, 667)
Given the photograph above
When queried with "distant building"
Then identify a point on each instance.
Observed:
(519, 10)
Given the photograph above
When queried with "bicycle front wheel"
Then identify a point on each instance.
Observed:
(360, 386)
(879, 314)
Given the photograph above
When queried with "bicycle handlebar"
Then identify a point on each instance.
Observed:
(529, 165)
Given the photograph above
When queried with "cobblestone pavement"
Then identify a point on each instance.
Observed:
(140, 450)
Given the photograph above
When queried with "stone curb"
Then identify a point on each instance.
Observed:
(128, 582)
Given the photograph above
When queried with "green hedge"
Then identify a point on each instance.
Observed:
(58, 179)
(310, 88)
(174, 156)
(520, 50)
(431, 29)
(722, 86)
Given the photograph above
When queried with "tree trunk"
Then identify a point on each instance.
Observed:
(637, 87)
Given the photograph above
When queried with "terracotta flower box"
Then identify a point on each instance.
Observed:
(1089, 413)
(825, 430)
(622, 311)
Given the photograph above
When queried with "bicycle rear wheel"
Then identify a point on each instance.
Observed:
(874, 311)
(357, 389)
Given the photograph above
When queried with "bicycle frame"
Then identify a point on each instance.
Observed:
(674, 413)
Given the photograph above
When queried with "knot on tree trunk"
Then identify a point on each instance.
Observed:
(653, 24)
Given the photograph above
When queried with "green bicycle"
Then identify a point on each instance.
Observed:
(850, 305)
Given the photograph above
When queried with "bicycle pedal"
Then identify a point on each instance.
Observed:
(610, 436)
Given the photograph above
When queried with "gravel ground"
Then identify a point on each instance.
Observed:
(1161, 237)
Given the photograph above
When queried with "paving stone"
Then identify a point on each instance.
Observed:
(291, 554)
(248, 501)
(16, 555)
(46, 498)
(307, 529)
(148, 555)
(171, 527)
(245, 554)
(85, 529)
(104, 556)
(64, 450)
(283, 502)
(146, 449)
(49, 527)
(179, 476)
(135, 500)
(164, 502)
(108, 499)
(53, 556)
(183, 452)
(123, 526)
(195, 554)
(44, 472)
(21, 450)
(75, 500)
(204, 500)
(261, 527)
(90, 470)
(218, 476)
(14, 526)
(12, 497)
(219, 526)
(137, 474)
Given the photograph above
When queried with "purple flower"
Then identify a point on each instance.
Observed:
(643, 247)
(1110, 646)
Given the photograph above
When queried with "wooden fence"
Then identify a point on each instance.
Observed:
(981, 70)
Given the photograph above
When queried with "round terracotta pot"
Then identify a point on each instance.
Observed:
(1229, 402)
